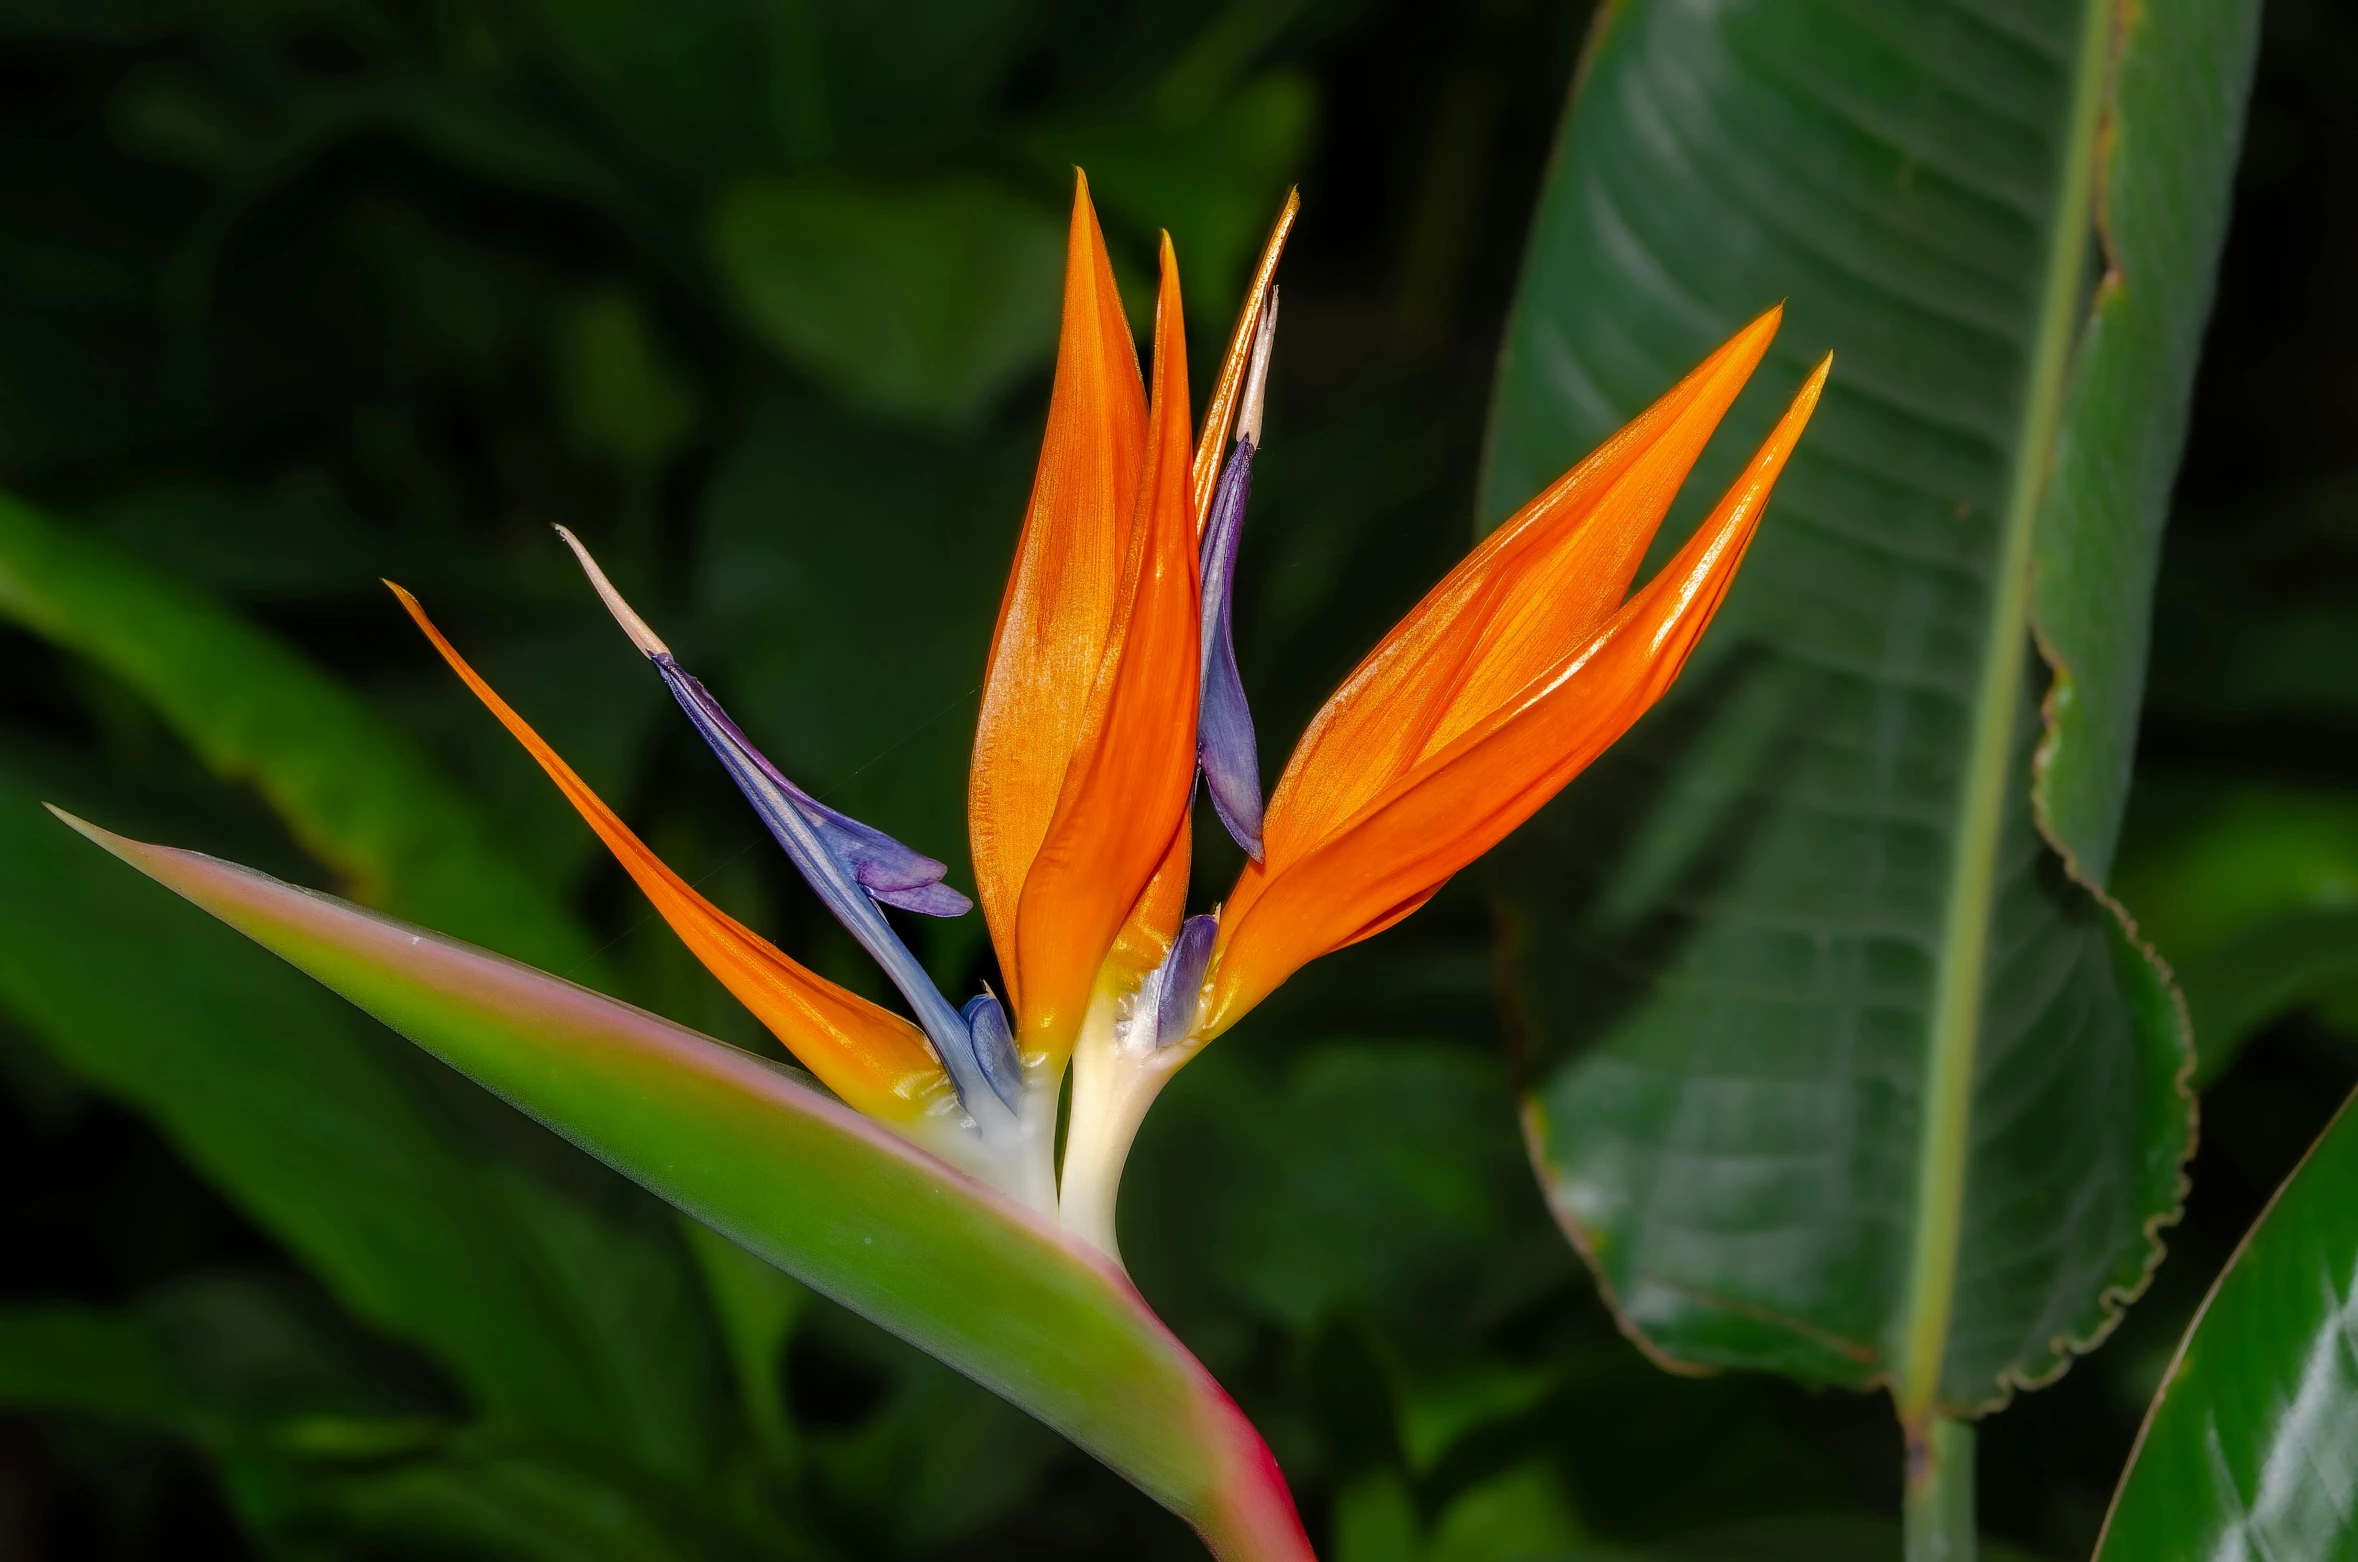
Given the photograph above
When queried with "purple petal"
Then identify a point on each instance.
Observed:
(895, 874)
(927, 900)
(1224, 742)
(994, 1048)
(805, 840)
(1183, 979)
(848, 865)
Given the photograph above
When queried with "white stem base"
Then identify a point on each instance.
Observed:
(1015, 1152)
(1118, 1070)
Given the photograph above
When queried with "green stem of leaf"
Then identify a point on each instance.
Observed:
(1939, 1506)
(1991, 778)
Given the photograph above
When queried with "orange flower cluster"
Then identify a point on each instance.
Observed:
(1512, 674)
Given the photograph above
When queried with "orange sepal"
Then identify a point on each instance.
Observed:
(1134, 767)
(1058, 614)
(876, 1061)
(1395, 852)
(1530, 592)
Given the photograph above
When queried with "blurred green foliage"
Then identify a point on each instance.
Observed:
(757, 295)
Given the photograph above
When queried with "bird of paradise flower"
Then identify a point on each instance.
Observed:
(1112, 690)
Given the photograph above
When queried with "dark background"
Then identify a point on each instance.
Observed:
(276, 339)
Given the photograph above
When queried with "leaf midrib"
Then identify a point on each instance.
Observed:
(1945, 1144)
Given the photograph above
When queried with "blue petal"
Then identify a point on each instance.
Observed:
(895, 874)
(927, 900)
(849, 865)
(994, 1048)
(1224, 742)
(806, 842)
(1183, 979)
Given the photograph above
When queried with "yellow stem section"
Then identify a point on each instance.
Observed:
(1956, 1015)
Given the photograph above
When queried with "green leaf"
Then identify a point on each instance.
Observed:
(712, 88)
(2204, 862)
(1375, 1521)
(1810, 1538)
(277, 542)
(1367, 1178)
(2251, 891)
(851, 1210)
(476, 134)
(307, 1441)
(481, 135)
(333, 1140)
(216, 1360)
(620, 395)
(1513, 1516)
(925, 302)
(693, 87)
(355, 793)
(2172, 119)
(2246, 1450)
(936, 1459)
(757, 1307)
(251, 1372)
(1840, 1067)
(1519, 1514)
(2266, 971)
(909, 75)
(493, 1498)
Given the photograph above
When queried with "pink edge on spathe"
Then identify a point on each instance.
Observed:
(895, 1233)
(1256, 1513)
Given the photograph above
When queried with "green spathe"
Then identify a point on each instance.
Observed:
(758, 1154)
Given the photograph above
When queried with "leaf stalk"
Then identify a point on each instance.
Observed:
(1938, 1511)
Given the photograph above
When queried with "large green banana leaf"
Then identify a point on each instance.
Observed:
(1843, 1065)
(758, 1153)
(2247, 1449)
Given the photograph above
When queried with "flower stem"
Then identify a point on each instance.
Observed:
(1939, 1503)
(1114, 1081)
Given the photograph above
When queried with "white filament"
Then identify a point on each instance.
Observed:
(632, 625)
(1248, 415)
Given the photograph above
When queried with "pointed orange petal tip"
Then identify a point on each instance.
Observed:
(1485, 774)
(871, 1057)
(1058, 614)
(1533, 590)
(1220, 412)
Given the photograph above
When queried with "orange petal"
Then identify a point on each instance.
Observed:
(1212, 444)
(1134, 768)
(1529, 594)
(1451, 807)
(1057, 618)
(871, 1057)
